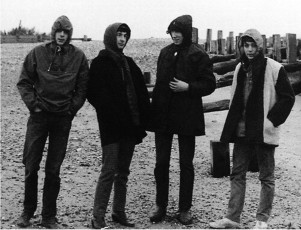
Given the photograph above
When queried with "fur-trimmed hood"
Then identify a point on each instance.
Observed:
(63, 23)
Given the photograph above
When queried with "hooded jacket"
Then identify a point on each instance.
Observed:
(181, 112)
(107, 92)
(54, 78)
(269, 103)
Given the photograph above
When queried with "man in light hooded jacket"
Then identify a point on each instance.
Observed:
(53, 86)
(261, 100)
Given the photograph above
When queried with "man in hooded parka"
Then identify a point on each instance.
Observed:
(119, 95)
(261, 100)
(53, 85)
(184, 76)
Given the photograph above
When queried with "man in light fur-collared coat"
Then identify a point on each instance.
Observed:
(261, 100)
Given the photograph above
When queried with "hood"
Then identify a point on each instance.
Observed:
(64, 23)
(109, 39)
(255, 35)
(184, 25)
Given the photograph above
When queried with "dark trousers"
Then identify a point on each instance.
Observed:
(116, 161)
(242, 154)
(40, 126)
(163, 143)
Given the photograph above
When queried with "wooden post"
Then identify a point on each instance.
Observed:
(276, 47)
(291, 48)
(264, 48)
(230, 43)
(237, 51)
(208, 40)
(195, 35)
(147, 77)
(220, 49)
(220, 159)
(213, 47)
(299, 48)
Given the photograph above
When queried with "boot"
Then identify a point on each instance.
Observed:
(158, 214)
(120, 217)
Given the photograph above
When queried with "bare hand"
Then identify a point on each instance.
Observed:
(37, 109)
(178, 85)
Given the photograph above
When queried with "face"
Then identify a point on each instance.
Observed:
(177, 37)
(121, 39)
(251, 49)
(61, 37)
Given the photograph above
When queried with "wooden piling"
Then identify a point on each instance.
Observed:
(299, 48)
(195, 35)
(220, 43)
(264, 48)
(276, 47)
(291, 48)
(230, 43)
(208, 40)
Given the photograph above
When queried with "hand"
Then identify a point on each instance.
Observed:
(178, 85)
(37, 110)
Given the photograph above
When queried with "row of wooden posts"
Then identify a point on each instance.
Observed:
(282, 49)
(224, 64)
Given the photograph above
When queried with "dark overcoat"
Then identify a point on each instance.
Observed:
(181, 112)
(107, 93)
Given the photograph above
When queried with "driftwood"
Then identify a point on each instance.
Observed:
(292, 67)
(225, 67)
(222, 58)
(216, 106)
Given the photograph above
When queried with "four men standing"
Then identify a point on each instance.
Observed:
(53, 85)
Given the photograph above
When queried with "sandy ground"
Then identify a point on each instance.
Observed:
(82, 166)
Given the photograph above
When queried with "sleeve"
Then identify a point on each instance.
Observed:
(99, 94)
(79, 96)
(205, 82)
(285, 99)
(27, 80)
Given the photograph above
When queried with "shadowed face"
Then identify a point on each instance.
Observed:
(177, 37)
(121, 39)
(61, 36)
(251, 49)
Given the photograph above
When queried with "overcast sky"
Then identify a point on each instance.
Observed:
(150, 18)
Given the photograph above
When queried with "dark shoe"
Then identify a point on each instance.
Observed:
(24, 220)
(120, 217)
(158, 214)
(98, 223)
(185, 217)
(50, 223)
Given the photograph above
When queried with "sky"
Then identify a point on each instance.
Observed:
(150, 18)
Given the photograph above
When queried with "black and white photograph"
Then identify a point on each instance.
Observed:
(150, 114)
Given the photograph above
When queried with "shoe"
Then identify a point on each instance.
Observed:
(98, 223)
(50, 223)
(120, 217)
(224, 223)
(24, 220)
(158, 214)
(185, 217)
(261, 225)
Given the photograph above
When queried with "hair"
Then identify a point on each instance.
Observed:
(247, 39)
(124, 28)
